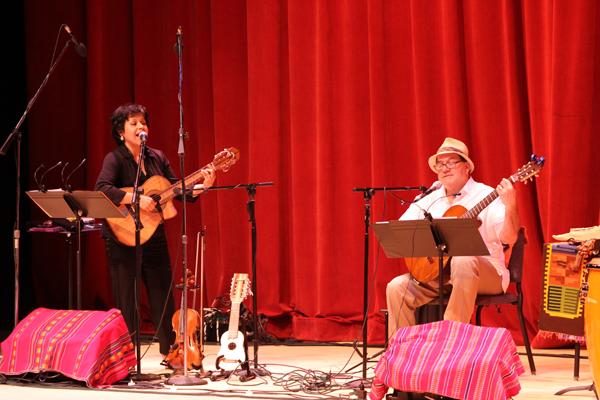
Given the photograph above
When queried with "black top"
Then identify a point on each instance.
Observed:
(119, 170)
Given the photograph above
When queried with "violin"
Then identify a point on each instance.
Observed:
(189, 341)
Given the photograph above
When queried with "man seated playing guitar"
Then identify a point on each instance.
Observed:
(468, 275)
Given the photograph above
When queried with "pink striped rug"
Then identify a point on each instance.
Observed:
(452, 359)
(90, 346)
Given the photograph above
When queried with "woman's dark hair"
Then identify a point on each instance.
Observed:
(120, 115)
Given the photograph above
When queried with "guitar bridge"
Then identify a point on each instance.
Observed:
(157, 198)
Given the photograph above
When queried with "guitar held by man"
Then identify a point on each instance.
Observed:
(425, 269)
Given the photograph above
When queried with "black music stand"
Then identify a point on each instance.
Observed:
(77, 204)
(444, 237)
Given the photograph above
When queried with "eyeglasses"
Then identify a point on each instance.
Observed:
(449, 164)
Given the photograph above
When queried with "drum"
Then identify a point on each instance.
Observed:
(592, 316)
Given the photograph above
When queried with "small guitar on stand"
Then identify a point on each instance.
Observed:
(426, 269)
(232, 352)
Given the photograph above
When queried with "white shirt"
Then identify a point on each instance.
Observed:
(492, 217)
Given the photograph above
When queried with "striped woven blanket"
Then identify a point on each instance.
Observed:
(90, 346)
(452, 359)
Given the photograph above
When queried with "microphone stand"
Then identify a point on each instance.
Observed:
(368, 193)
(441, 247)
(183, 379)
(251, 189)
(16, 134)
(137, 192)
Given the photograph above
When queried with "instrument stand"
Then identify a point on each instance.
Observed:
(16, 134)
(250, 206)
(368, 194)
(77, 204)
(246, 374)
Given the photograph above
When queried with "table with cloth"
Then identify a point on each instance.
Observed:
(90, 346)
(451, 359)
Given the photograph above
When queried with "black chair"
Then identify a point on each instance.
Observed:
(515, 267)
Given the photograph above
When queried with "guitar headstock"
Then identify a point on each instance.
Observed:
(240, 288)
(225, 159)
(529, 170)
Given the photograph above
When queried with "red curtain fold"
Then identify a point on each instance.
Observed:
(322, 97)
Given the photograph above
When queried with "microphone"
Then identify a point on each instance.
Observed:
(35, 176)
(426, 212)
(79, 47)
(143, 135)
(436, 185)
(66, 185)
(41, 184)
(62, 175)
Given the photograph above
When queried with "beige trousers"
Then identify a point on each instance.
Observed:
(469, 276)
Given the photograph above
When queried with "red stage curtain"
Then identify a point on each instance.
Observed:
(321, 97)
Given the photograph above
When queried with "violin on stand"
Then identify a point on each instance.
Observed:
(186, 341)
(186, 352)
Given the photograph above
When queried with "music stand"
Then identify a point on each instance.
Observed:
(444, 237)
(77, 204)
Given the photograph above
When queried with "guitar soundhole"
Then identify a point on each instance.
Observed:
(231, 346)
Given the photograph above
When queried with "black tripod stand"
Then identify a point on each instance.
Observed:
(251, 189)
(16, 134)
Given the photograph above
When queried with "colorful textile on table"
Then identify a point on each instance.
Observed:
(90, 346)
(452, 359)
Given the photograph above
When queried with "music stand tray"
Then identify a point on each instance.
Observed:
(443, 237)
(415, 238)
(77, 204)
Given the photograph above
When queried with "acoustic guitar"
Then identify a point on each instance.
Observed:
(426, 269)
(162, 191)
(232, 352)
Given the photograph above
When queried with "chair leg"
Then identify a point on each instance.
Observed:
(576, 362)
(526, 339)
(387, 323)
(478, 315)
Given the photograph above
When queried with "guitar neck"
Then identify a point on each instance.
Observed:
(479, 207)
(234, 318)
(169, 193)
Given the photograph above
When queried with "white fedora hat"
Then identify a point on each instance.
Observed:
(452, 146)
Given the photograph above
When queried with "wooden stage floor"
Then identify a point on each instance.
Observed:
(292, 368)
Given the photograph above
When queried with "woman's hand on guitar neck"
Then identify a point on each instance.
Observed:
(209, 178)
